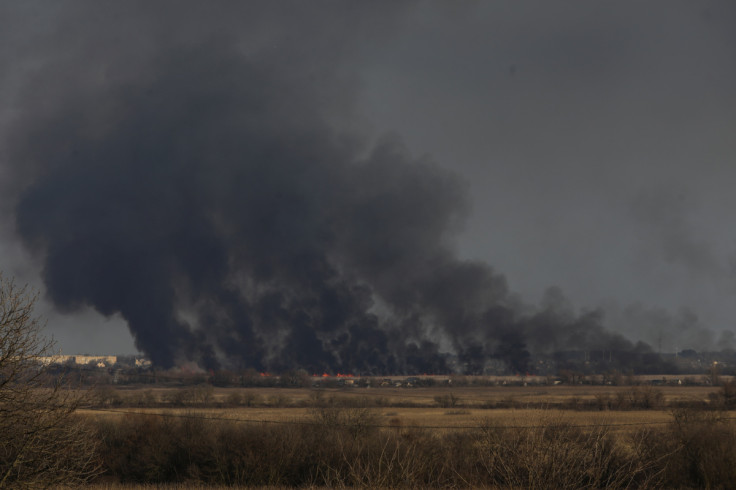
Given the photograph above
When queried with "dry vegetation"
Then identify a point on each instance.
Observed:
(42, 443)
(538, 436)
(271, 438)
(562, 396)
(426, 437)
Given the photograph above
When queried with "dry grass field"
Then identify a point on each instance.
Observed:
(436, 419)
(418, 407)
(558, 436)
(468, 395)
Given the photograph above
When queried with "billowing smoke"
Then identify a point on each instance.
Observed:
(216, 209)
(213, 202)
(664, 330)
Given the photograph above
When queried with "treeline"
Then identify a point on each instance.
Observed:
(249, 378)
(345, 447)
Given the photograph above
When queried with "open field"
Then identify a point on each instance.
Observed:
(438, 408)
(436, 419)
(461, 437)
(472, 395)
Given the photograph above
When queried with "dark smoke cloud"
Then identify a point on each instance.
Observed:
(217, 212)
(214, 207)
(664, 330)
(203, 173)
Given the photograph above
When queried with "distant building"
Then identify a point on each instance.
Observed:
(99, 361)
(142, 363)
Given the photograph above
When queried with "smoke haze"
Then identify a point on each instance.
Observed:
(226, 181)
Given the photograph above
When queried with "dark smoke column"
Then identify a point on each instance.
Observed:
(213, 206)
(217, 212)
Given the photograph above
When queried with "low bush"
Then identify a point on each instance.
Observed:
(350, 447)
(447, 401)
(702, 448)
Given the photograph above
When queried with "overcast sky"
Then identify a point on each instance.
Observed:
(597, 139)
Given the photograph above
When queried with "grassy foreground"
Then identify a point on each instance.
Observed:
(423, 440)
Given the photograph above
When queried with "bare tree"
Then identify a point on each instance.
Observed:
(42, 443)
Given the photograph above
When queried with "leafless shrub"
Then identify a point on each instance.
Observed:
(106, 396)
(234, 399)
(42, 444)
(279, 401)
(705, 455)
(447, 401)
(349, 448)
(357, 421)
(725, 398)
(317, 399)
(636, 398)
(383, 463)
(604, 401)
(239, 398)
(646, 397)
(198, 395)
(152, 449)
(251, 399)
(145, 398)
(557, 455)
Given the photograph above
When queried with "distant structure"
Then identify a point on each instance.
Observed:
(99, 361)
(142, 363)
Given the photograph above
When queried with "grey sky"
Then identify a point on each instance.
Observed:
(597, 138)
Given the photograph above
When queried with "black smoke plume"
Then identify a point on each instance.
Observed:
(216, 207)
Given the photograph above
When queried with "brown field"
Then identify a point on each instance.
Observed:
(439, 419)
(417, 407)
(419, 437)
(469, 395)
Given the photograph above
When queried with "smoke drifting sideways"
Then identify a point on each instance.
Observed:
(216, 208)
